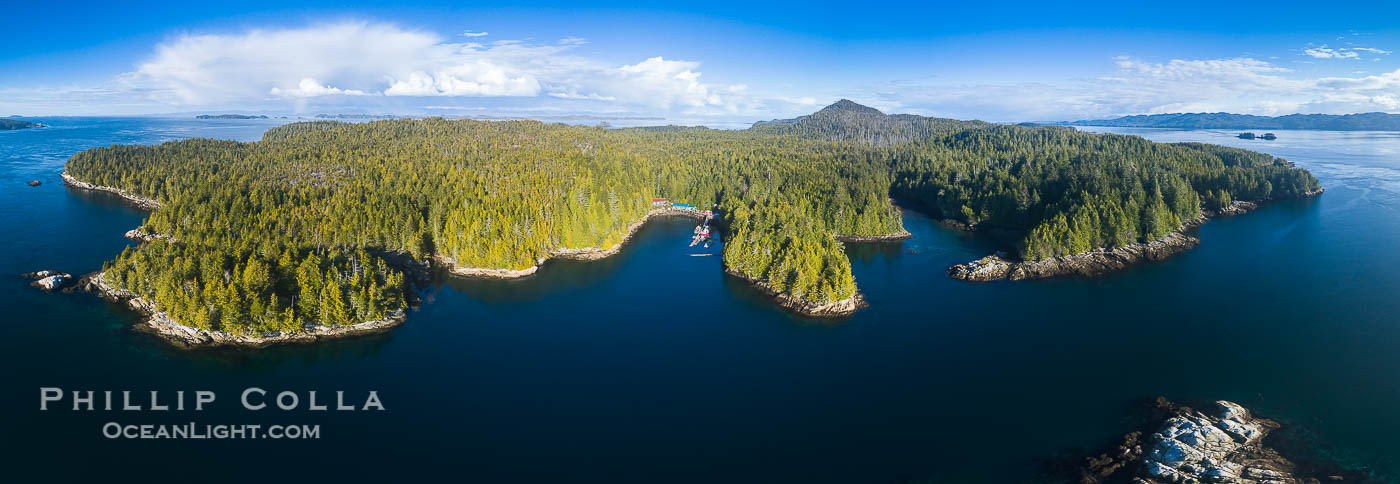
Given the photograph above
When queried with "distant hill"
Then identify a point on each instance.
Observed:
(228, 116)
(848, 121)
(6, 124)
(1331, 122)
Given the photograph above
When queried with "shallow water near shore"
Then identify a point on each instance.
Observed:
(654, 366)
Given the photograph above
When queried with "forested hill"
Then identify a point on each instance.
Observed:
(289, 231)
(848, 121)
(15, 124)
(1331, 122)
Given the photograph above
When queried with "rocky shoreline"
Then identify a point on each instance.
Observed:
(138, 235)
(1100, 261)
(1221, 442)
(143, 202)
(801, 306)
(900, 235)
(160, 324)
(587, 253)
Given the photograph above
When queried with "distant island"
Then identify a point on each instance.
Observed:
(320, 228)
(1326, 122)
(1250, 135)
(9, 124)
(229, 116)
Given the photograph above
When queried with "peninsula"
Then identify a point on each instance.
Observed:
(314, 227)
(11, 124)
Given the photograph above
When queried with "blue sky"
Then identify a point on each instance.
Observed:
(703, 63)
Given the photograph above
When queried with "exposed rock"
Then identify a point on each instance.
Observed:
(1098, 261)
(35, 183)
(1222, 444)
(1091, 263)
(163, 325)
(49, 280)
(140, 235)
(900, 235)
(802, 306)
(1236, 207)
(143, 202)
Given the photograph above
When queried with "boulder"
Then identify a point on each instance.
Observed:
(49, 280)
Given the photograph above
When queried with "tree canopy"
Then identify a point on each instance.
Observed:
(291, 230)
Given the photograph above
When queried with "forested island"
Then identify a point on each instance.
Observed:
(315, 226)
(1327, 122)
(229, 116)
(8, 124)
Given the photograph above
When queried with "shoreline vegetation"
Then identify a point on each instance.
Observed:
(140, 201)
(319, 224)
(1100, 261)
(587, 253)
(162, 325)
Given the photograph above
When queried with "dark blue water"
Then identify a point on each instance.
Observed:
(652, 366)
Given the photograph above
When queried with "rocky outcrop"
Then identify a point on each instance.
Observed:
(1223, 443)
(141, 236)
(1098, 261)
(49, 280)
(167, 328)
(143, 202)
(900, 235)
(802, 306)
(1092, 263)
(35, 183)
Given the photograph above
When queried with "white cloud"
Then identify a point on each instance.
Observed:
(308, 87)
(1371, 50)
(321, 62)
(1324, 52)
(219, 69)
(1239, 85)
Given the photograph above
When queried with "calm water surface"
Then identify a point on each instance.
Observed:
(652, 366)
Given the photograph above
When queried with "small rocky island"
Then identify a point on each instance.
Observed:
(1221, 442)
(49, 280)
(12, 124)
(1250, 135)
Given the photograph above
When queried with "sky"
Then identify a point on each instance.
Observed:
(710, 62)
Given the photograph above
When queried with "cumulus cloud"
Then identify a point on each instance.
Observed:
(1239, 85)
(215, 69)
(365, 59)
(308, 87)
